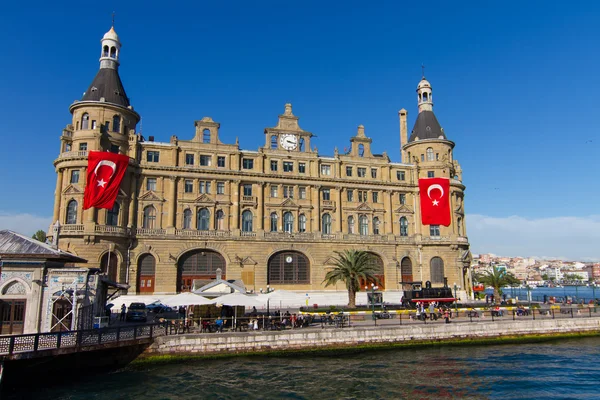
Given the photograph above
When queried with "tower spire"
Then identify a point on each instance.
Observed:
(111, 47)
(424, 98)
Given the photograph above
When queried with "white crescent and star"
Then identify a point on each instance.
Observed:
(435, 186)
(107, 163)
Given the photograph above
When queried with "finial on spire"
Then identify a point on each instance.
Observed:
(113, 19)
(423, 70)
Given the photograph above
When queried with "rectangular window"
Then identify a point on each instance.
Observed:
(189, 159)
(75, 176)
(221, 162)
(361, 172)
(422, 157)
(348, 171)
(82, 146)
(152, 156)
(204, 187)
(400, 175)
(274, 165)
(375, 196)
(434, 230)
(288, 166)
(326, 194)
(205, 160)
(189, 186)
(274, 191)
(430, 174)
(247, 189)
(362, 196)
(150, 183)
(373, 173)
(302, 193)
(93, 124)
(288, 192)
(220, 187)
(402, 198)
(325, 169)
(302, 168)
(350, 194)
(248, 163)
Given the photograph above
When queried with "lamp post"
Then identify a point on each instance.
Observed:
(456, 299)
(373, 289)
(529, 295)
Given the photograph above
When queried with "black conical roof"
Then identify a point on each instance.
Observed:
(427, 127)
(107, 84)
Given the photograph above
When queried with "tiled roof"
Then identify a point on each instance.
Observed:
(426, 127)
(107, 84)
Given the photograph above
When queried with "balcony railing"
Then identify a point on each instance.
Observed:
(71, 228)
(150, 232)
(111, 229)
(73, 154)
(196, 233)
(248, 234)
(370, 238)
(248, 199)
(289, 235)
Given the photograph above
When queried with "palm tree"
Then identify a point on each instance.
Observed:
(352, 267)
(496, 278)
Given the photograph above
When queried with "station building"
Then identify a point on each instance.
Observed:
(191, 208)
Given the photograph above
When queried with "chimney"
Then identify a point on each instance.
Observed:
(402, 114)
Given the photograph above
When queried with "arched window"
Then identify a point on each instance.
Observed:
(116, 123)
(146, 271)
(203, 219)
(363, 225)
(85, 121)
(247, 221)
(406, 270)
(112, 215)
(425, 96)
(288, 267)
(351, 224)
(301, 145)
(326, 224)
(71, 213)
(288, 222)
(220, 220)
(437, 270)
(105, 51)
(430, 155)
(375, 226)
(273, 142)
(113, 52)
(403, 226)
(274, 220)
(187, 219)
(206, 136)
(302, 223)
(149, 217)
(361, 150)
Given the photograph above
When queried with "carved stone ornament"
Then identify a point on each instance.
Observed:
(15, 287)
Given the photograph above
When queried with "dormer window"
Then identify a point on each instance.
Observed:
(273, 142)
(206, 136)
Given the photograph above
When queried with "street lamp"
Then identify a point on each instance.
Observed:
(529, 295)
(373, 289)
(456, 299)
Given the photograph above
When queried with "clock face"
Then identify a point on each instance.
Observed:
(288, 259)
(288, 141)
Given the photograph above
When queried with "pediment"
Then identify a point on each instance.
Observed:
(289, 203)
(203, 198)
(330, 261)
(150, 196)
(404, 209)
(364, 207)
(72, 189)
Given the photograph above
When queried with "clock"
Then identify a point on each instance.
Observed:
(288, 141)
(288, 259)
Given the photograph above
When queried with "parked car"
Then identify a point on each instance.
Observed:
(137, 312)
(158, 307)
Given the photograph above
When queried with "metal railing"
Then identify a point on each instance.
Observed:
(35, 342)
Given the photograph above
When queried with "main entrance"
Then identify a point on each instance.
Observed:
(12, 313)
(201, 265)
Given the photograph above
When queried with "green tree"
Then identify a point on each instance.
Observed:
(496, 278)
(352, 267)
(40, 236)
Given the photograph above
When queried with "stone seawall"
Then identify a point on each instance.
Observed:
(313, 338)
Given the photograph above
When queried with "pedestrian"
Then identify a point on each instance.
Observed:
(504, 297)
(123, 312)
(487, 299)
(447, 316)
(432, 315)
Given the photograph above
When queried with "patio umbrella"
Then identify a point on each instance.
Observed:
(238, 299)
(186, 299)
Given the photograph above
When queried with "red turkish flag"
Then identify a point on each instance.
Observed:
(104, 175)
(435, 201)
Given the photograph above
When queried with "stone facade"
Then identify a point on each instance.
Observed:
(272, 216)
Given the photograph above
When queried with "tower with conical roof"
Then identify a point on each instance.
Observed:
(102, 120)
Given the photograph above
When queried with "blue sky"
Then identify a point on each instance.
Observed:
(514, 83)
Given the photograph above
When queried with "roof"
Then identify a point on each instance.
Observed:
(15, 245)
(107, 84)
(426, 127)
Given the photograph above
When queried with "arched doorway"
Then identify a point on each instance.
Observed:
(110, 268)
(146, 272)
(288, 268)
(437, 270)
(379, 272)
(198, 265)
(406, 270)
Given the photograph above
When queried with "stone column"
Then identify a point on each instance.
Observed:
(235, 206)
(57, 195)
(132, 202)
(259, 211)
(389, 217)
(172, 222)
(316, 191)
(338, 223)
